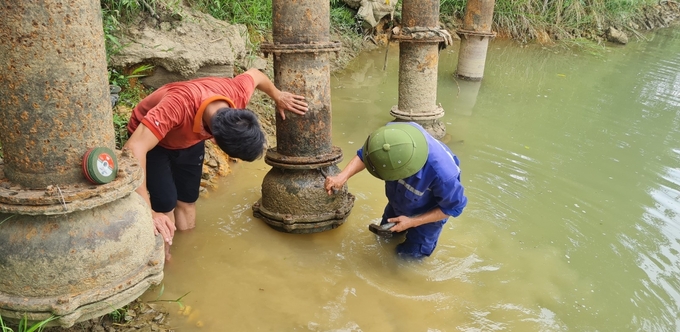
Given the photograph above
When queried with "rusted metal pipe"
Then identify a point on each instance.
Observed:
(419, 40)
(54, 84)
(475, 36)
(293, 197)
(67, 248)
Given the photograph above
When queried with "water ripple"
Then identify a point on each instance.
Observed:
(457, 268)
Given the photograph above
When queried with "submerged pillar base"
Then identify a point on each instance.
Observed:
(80, 265)
(76, 251)
(295, 201)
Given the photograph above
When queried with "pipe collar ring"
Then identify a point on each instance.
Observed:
(55, 200)
(435, 114)
(277, 49)
(275, 159)
(464, 33)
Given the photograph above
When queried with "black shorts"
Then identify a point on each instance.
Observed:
(174, 175)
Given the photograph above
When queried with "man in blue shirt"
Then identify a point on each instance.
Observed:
(422, 184)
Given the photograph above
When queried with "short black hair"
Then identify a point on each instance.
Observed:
(238, 133)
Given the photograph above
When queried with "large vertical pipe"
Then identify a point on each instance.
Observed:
(67, 248)
(419, 41)
(293, 197)
(307, 73)
(475, 36)
(54, 85)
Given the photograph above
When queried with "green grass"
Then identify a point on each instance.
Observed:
(26, 326)
(1, 222)
(452, 7)
(563, 19)
(130, 95)
(115, 12)
(120, 130)
(343, 18)
(118, 315)
(177, 300)
(255, 14)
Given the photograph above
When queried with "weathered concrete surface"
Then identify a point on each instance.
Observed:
(78, 265)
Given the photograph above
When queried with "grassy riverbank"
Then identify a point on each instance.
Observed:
(552, 20)
(561, 22)
(524, 20)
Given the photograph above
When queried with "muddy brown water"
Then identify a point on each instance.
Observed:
(570, 163)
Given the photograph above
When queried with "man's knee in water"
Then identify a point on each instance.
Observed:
(409, 249)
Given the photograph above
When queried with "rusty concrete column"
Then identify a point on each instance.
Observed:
(293, 196)
(419, 40)
(67, 248)
(475, 36)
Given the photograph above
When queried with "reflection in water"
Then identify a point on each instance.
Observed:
(659, 258)
(570, 164)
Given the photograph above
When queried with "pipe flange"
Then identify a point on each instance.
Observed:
(74, 308)
(422, 35)
(334, 46)
(54, 200)
(276, 159)
(465, 33)
(312, 223)
(417, 116)
(412, 39)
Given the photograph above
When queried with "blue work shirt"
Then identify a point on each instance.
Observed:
(436, 184)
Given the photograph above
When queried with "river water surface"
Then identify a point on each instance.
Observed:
(571, 164)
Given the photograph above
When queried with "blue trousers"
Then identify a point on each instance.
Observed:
(420, 241)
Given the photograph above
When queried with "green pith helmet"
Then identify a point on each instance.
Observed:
(395, 152)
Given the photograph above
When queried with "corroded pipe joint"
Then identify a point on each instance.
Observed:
(409, 115)
(305, 224)
(278, 160)
(55, 199)
(423, 35)
(315, 48)
(295, 201)
(465, 33)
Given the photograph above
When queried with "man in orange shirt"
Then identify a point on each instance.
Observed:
(168, 129)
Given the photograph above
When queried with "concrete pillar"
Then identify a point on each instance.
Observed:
(67, 247)
(293, 195)
(419, 40)
(475, 36)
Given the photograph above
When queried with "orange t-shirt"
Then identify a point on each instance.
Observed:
(174, 112)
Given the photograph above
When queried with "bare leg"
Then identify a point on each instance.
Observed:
(167, 251)
(170, 215)
(185, 216)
